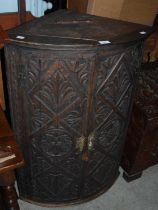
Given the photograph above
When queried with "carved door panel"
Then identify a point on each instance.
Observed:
(70, 113)
(52, 92)
(58, 103)
(114, 86)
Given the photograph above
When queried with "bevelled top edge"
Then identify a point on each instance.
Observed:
(64, 27)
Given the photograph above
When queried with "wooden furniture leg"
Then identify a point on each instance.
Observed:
(10, 159)
(131, 177)
(7, 181)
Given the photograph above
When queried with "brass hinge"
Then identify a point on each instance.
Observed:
(80, 143)
(83, 140)
(91, 139)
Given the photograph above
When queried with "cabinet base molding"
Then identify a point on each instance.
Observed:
(75, 202)
(131, 177)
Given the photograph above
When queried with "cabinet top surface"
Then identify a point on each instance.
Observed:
(72, 28)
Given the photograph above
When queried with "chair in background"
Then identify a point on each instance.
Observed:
(8, 21)
(10, 159)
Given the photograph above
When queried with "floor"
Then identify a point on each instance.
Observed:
(141, 194)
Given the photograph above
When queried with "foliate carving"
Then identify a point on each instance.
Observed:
(65, 97)
(56, 93)
(74, 119)
(108, 133)
(115, 80)
(38, 68)
(106, 68)
(39, 118)
(101, 175)
(55, 116)
(146, 94)
(55, 141)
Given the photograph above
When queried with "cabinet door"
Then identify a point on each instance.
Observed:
(49, 94)
(113, 99)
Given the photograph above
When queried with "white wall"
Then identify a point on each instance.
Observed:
(37, 7)
(8, 6)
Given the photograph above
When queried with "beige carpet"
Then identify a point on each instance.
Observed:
(141, 194)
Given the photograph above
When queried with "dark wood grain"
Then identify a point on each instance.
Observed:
(89, 30)
(65, 101)
(74, 98)
(141, 148)
(8, 21)
(3, 37)
(5, 130)
(11, 20)
(7, 139)
(79, 6)
(7, 181)
(8, 147)
(22, 11)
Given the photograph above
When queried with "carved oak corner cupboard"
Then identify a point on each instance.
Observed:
(71, 78)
